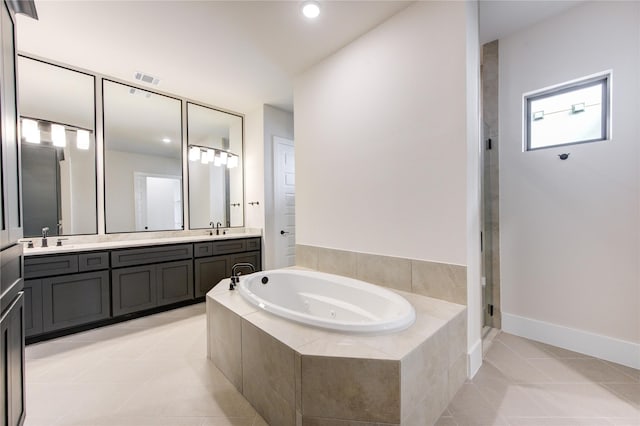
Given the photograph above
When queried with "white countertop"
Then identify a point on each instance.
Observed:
(69, 246)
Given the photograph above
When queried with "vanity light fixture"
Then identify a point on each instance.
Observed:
(311, 9)
(82, 139)
(194, 153)
(217, 161)
(232, 161)
(58, 136)
(58, 132)
(30, 130)
(218, 157)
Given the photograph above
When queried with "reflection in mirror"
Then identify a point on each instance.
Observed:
(58, 149)
(215, 167)
(142, 160)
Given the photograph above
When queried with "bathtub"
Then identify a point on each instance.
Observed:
(327, 301)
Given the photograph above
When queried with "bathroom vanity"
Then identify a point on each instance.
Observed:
(73, 288)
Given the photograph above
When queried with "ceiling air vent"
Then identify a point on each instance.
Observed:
(146, 78)
(134, 91)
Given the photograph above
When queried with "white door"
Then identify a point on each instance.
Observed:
(158, 202)
(284, 169)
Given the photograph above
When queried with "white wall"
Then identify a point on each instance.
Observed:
(119, 195)
(254, 168)
(570, 229)
(381, 149)
(261, 126)
(276, 123)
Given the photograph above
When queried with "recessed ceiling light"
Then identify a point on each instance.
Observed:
(166, 140)
(311, 9)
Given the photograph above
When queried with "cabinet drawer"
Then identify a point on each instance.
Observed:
(46, 266)
(202, 249)
(253, 244)
(93, 261)
(229, 246)
(143, 256)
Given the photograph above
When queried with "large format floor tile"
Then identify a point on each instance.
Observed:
(526, 383)
(153, 371)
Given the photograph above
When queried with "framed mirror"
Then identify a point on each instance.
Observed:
(215, 148)
(57, 116)
(142, 160)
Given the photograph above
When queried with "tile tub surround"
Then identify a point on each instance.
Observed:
(439, 280)
(298, 375)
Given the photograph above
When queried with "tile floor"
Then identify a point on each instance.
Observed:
(154, 371)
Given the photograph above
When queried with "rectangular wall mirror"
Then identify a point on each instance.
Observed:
(57, 116)
(215, 145)
(142, 160)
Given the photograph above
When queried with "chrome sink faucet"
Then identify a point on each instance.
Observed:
(45, 233)
(235, 275)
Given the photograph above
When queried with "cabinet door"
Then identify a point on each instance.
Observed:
(75, 299)
(32, 307)
(10, 203)
(252, 257)
(12, 354)
(209, 272)
(133, 289)
(174, 282)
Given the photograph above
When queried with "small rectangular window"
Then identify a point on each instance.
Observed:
(572, 113)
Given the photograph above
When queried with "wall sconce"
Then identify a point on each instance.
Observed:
(218, 157)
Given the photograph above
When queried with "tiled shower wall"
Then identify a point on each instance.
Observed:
(439, 280)
(490, 198)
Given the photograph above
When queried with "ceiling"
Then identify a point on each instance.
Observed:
(499, 18)
(236, 55)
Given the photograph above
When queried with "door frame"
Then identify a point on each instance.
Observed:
(277, 140)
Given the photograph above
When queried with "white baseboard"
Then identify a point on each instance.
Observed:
(474, 359)
(596, 345)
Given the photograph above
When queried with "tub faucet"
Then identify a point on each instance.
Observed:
(45, 233)
(235, 275)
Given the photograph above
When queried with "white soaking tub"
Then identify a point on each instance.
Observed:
(327, 301)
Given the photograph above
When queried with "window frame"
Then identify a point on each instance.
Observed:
(603, 78)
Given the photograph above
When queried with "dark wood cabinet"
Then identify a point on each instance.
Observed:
(209, 272)
(94, 261)
(32, 307)
(148, 255)
(252, 257)
(174, 282)
(12, 411)
(68, 292)
(144, 287)
(12, 361)
(133, 289)
(76, 299)
(46, 266)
